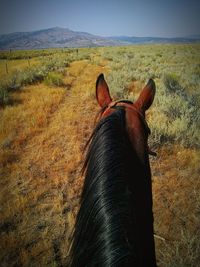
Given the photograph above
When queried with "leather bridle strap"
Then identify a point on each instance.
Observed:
(113, 104)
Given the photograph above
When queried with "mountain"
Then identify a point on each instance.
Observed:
(197, 36)
(52, 38)
(61, 37)
(155, 40)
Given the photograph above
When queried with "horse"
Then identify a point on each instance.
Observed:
(114, 225)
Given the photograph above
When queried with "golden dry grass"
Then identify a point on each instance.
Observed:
(42, 138)
(176, 188)
(42, 141)
(8, 67)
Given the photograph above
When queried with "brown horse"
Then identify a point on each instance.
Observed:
(114, 225)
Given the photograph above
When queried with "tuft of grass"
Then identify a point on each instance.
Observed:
(54, 79)
(4, 97)
(172, 85)
(188, 245)
(178, 118)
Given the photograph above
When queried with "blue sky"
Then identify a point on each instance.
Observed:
(164, 18)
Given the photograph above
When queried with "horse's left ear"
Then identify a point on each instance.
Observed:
(102, 92)
(146, 97)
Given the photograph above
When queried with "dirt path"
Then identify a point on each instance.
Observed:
(42, 189)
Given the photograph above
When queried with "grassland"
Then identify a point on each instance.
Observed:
(47, 113)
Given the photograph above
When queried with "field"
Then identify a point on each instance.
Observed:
(47, 113)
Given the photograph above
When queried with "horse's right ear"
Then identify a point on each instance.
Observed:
(146, 97)
(102, 92)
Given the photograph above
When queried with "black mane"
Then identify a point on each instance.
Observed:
(105, 231)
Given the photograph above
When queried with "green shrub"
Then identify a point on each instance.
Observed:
(4, 97)
(13, 82)
(175, 118)
(54, 79)
(172, 84)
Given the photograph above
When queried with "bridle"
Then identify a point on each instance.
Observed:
(119, 103)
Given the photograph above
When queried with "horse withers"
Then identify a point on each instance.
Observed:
(114, 225)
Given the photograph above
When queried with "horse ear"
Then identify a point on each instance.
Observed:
(102, 92)
(146, 97)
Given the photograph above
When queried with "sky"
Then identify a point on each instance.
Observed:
(158, 18)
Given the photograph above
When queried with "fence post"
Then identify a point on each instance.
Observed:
(29, 63)
(6, 67)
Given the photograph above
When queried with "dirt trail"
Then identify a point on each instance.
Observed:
(42, 189)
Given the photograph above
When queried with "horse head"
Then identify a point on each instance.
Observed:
(137, 127)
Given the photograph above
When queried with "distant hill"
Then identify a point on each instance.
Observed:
(61, 37)
(53, 37)
(157, 40)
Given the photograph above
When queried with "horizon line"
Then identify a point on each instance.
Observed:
(105, 36)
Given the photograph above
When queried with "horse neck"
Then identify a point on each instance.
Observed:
(105, 227)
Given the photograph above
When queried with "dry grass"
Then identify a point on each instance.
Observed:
(40, 162)
(42, 138)
(8, 67)
(176, 189)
